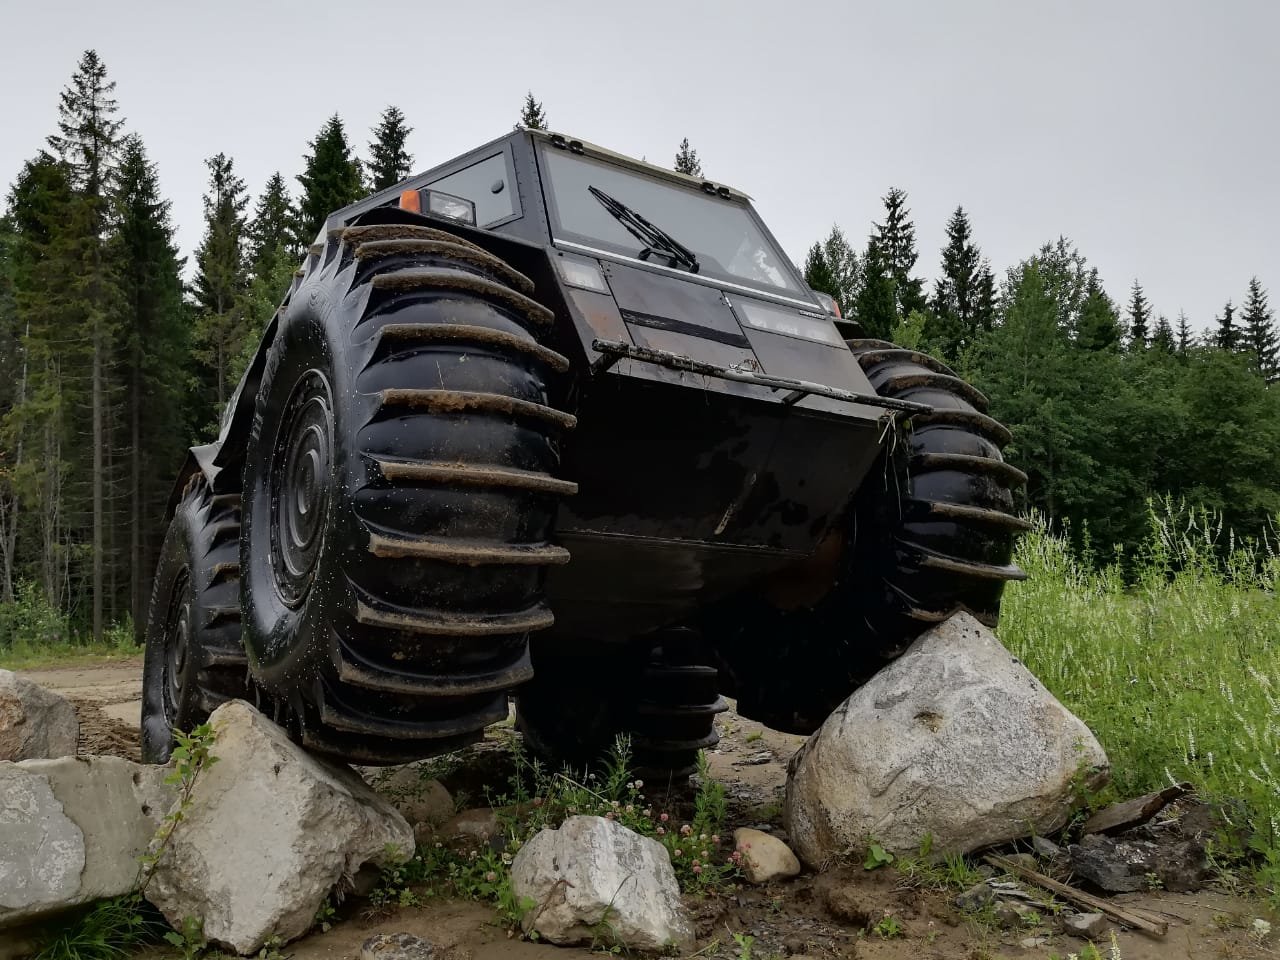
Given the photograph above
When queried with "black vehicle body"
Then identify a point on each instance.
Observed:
(680, 500)
(721, 430)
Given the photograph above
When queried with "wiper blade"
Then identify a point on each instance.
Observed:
(652, 236)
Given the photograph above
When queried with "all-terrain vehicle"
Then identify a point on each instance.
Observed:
(548, 395)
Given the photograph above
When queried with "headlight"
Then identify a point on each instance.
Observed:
(788, 322)
(581, 273)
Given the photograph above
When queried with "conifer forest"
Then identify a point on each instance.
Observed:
(117, 353)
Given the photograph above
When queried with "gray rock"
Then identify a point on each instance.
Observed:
(1046, 849)
(955, 740)
(72, 829)
(1087, 926)
(1128, 864)
(976, 897)
(35, 723)
(1030, 943)
(764, 857)
(421, 799)
(595, 880)
(475, 827)
(396, 946)
(270, 831)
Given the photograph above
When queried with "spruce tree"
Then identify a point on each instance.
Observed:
(331, 179)
(687, 160)
(389, 161)
(818, 273)
(1258, 338)
(985, 300)
(88, 140)
(831, 267)
(1185, 338)
(221, 278)
(896, 243)
(153, 352)
(953, 323)
(1098, 327)
(271, 229)
(1139, 318)
(532, 116)
(1163, 339)
(1227, 337)
(874, 307)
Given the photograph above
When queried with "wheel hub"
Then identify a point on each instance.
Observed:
(300, 482)
(177, 643)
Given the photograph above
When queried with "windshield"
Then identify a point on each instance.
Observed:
(722, 234)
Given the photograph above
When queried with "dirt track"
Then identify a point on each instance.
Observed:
(788, 918)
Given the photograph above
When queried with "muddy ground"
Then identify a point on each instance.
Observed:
(826, 915)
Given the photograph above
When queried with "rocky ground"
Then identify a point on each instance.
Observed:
(834, 914)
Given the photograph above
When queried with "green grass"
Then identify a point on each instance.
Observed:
(1177, 674)
(27, 657)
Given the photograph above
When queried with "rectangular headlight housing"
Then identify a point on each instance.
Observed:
(789, 323)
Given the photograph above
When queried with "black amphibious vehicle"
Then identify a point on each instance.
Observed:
(552, 423)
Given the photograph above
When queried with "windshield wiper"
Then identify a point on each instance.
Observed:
(654, 238)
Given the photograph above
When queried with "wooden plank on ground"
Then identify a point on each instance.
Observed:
(1132, 813)
(1129, 917)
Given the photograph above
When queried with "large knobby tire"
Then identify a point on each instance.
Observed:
(656, 691)
(929, 532)
(194, 659)
(399, 495)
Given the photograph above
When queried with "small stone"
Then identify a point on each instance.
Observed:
(1046, 849)
(396, 946)
(1030, 943)
(478, 826)
(1087, 926)
(420, 799)
(764, 857)
(976, 897)
(1015, 915)
(35, 723)
(1025, 860)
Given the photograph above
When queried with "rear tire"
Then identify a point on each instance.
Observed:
(930, 532)
(400, 495)
(654, 691)
(194, 659)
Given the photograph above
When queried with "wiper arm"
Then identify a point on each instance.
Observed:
(648, 234)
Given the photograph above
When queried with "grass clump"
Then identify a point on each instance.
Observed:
(1175, 669)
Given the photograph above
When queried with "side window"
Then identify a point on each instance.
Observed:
(487, 185)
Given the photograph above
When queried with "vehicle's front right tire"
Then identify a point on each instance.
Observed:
(399, 495)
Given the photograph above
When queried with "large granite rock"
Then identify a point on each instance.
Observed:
(72, 829)
(954, 740)
(269, 832)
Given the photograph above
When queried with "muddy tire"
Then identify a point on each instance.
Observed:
(194, 659)
(654, 691)
(930, 532)
(399, 495)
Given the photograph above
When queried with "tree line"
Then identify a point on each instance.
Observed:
(1110, 405)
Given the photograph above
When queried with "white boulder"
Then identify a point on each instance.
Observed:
(954, 740)
(72, 829)
(269, 831)
(595, 880)
(35, 723)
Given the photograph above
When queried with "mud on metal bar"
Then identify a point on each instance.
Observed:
(611, 351)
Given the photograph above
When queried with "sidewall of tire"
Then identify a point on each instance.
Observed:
(176, 555)
(287, 644)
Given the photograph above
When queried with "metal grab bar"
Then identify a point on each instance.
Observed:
(612, 351)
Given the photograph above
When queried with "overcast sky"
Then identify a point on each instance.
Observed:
(1145, 132)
